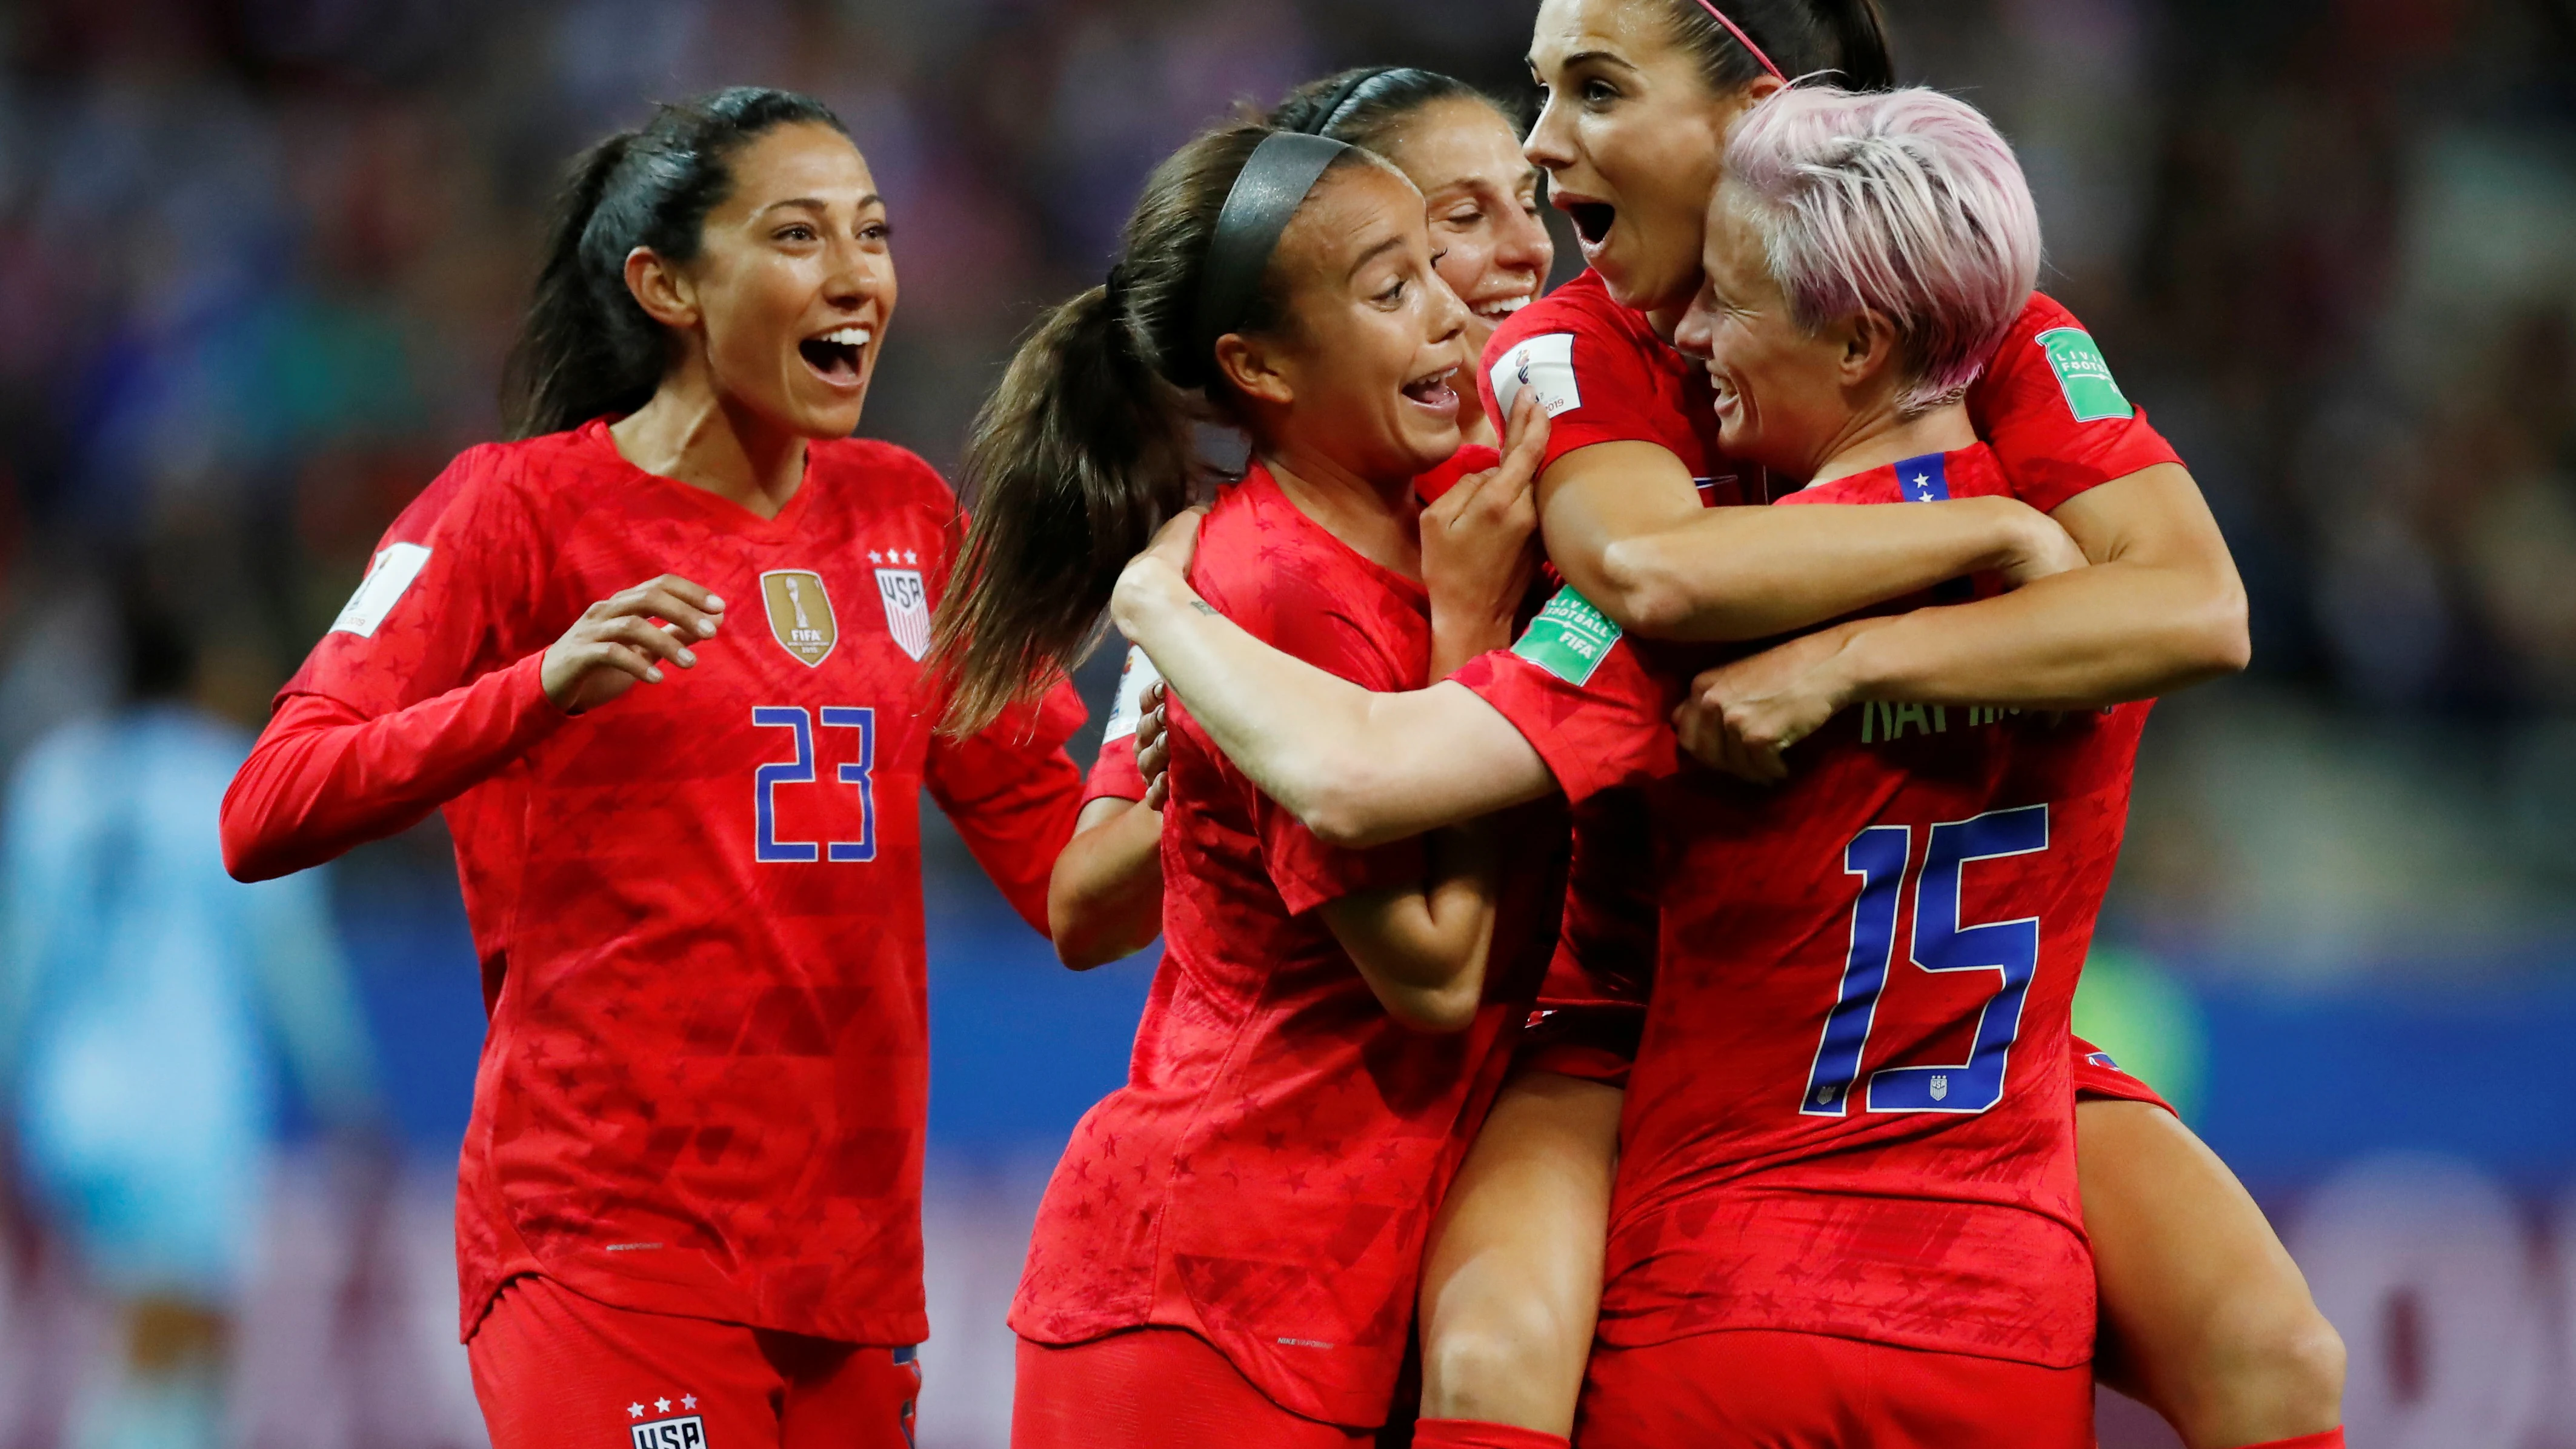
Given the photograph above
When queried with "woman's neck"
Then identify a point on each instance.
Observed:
(1473, 425)
(1875, 441)
(1380, 521)
(688, 433)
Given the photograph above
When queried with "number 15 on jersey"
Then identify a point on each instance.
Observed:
(2010, 949)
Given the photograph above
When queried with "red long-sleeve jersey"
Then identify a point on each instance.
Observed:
(698, 907)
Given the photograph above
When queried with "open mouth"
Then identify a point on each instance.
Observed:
(1433, 391)
(1591, 219)
(836, 354)
(1501, 307)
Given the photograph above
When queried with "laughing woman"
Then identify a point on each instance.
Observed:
(658, 659)
(1227, 1253)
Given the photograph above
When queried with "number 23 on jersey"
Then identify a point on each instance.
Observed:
(858, 774)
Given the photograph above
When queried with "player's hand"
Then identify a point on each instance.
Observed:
(1153, 747)
(1480, 539)
(1743, 716)
(628, 637)
(2043, 549)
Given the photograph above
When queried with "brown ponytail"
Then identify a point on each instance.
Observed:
(1087, 446)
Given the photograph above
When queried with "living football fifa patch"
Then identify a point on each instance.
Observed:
(388, 578)
(2091, 394)
(800, 613)
(688, 1431)
(1546, 363)
(1569, 638)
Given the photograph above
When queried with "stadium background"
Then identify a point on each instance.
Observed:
(259, 260)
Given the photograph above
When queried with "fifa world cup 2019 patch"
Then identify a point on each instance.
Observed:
(1544, 362)
(1569, 638)
(2091, 394)
(388, 578)
(688, 1431)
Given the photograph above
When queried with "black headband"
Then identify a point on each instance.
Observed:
(1350, 95)
(1263, 200)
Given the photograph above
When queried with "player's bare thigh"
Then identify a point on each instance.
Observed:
(1511, 1279)
(2206, 1318)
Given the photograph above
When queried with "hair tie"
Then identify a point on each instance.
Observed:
(1743, 39)
(1264, 199)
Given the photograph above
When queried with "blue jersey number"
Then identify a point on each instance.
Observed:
(766, 846)
(1878, 856)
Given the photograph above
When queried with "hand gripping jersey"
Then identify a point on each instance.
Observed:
(1267, 1175)
(2047, 405)
(698, 906)
(1849, 1112)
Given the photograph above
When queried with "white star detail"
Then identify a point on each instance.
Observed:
(688, 1401)
(910, 557)
(635, 1411)
(661, 1406)
(875, 557)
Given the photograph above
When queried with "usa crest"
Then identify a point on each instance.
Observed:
(907, 609)
(800, 613)
(687, 1432)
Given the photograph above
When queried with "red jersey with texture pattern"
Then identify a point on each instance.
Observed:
(1267, 1175)
(1850, 1111)
(698, 906)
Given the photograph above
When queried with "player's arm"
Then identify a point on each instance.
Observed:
(1105, 893)
(1014, 795)
(2160, 608)
(1357, 766)
(1423, 947)
(1625, 526)
(326, 775)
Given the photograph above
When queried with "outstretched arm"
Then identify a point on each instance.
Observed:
(1357, 767)
(1624, 525)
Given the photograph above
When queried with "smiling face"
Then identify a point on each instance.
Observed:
(1363, 365)
(1630, 138)
(1481, 196)
(788, 298)
(1786, 397)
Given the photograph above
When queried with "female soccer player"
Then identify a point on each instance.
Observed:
(684, 808)
(1577, 651)
(1459, 149)
(1227, 1253)
(2213, 1324)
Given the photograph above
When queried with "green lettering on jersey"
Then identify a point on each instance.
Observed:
(2091, 394)
(1569, 638)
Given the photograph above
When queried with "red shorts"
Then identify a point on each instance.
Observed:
(1148, 1388)
(1756, 1387)
(2096, 1075)
(552, 1367)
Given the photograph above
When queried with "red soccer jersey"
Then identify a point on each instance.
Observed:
(698, 906)
(1850, 1108)
(2046, 402)
(1268, 1174)
(2058, 425)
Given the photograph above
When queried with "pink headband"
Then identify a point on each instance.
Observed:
(1744, 40)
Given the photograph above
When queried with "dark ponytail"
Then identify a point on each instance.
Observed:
(1088, 445)
(1803, 37)
(587, 348)
(1368, 106)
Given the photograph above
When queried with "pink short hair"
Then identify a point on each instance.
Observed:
(1906, 203)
